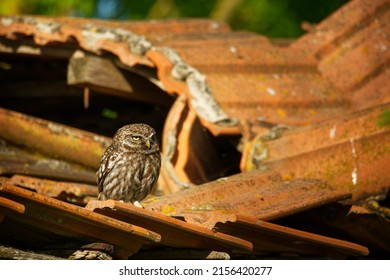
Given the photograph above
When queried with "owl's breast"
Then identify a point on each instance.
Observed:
(132, 167)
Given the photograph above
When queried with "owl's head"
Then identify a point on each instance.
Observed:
(138, 137)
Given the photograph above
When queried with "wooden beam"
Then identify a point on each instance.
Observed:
(102, 75)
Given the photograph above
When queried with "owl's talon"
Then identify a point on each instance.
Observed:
(137, 204)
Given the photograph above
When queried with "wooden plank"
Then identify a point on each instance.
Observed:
(102, 75)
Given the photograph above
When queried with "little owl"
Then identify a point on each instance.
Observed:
(130, 166)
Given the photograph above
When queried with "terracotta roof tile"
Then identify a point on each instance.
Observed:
(71, 221)
(266, 237)
(305, 109)
(260, 194)
(269, 237)
(174, 232)
(351, 153)
(273, 75)
(354, 223)
(52, 138)
(75, 193)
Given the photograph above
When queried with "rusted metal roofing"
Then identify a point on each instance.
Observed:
(299, 118)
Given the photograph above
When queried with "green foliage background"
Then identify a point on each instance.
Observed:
(273, 18)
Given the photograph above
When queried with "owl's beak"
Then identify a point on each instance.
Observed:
(147, 143)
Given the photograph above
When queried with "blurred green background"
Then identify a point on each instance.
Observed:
(273, 18)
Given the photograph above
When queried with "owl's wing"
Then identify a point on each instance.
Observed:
(106, 165)
(151, 171)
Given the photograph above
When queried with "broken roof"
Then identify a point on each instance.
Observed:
(306, 111)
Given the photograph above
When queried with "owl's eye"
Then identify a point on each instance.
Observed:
(135, 138)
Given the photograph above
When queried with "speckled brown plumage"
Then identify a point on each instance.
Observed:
(130, 166)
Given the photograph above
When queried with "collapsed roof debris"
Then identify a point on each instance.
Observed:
(129, 47)
(61, 219)
(269, 149)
